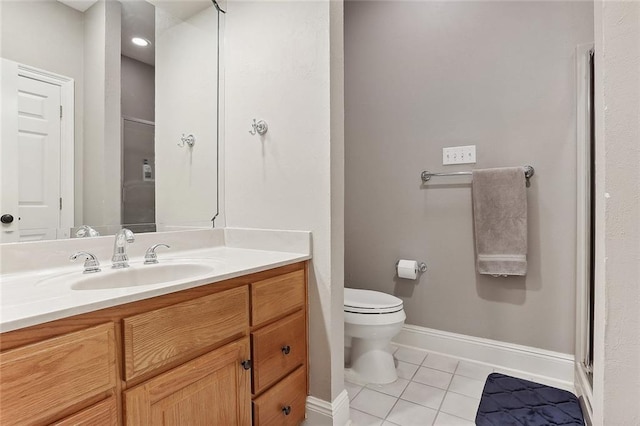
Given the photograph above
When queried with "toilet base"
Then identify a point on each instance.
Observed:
(371, 362)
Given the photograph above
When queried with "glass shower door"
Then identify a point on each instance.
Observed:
(138, 175)
(588, 360)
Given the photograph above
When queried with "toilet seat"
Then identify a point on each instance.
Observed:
(370, 302)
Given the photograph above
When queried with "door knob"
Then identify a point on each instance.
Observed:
(6, 218)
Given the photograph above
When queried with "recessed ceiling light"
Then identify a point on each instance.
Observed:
(139, 41)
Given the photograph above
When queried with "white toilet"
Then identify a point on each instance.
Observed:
(371, 320)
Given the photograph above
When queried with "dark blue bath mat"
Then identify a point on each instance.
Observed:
(510, 401)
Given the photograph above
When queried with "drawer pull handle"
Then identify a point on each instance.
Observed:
(246, 364)
(286, 410)
(286, 350)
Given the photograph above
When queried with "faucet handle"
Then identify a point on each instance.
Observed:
(91, 264)
(86, 231)
(150, 257)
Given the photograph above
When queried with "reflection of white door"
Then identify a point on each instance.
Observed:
(38, 159)
(31, 150)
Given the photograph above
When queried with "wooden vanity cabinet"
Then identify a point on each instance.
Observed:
(228, 353)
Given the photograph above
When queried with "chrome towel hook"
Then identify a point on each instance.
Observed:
(259, 127)
(190, 140)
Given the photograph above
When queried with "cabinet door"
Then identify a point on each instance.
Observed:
(213, 389)
(104, 413)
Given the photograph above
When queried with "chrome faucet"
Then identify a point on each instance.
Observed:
(120, 258)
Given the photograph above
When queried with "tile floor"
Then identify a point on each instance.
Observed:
(431, 389)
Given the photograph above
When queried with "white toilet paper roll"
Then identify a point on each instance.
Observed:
(408, 269)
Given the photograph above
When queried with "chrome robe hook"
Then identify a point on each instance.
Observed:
(259, 127)
(190, 140)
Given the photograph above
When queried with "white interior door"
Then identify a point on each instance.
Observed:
(9, 151)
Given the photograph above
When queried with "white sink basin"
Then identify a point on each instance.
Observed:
(141, 275)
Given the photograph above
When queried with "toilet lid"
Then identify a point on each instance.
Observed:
(370, 302)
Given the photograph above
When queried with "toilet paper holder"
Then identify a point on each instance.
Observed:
(422, 267)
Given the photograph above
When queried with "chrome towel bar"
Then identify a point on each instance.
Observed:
(529, 171)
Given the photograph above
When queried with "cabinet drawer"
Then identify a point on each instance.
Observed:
(275, 296)
(104, 413)
(39, 380)
(168, 334)
(283, 404)
(277, 350)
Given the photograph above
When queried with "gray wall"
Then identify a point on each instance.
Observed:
(421, 76)
(138, 101)
(138, 93)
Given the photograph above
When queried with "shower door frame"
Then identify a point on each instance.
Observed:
(585, 174)
(132, 119)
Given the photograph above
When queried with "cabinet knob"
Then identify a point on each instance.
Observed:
(286, 410)
(246, 364)
(286, 349)
(6, 218)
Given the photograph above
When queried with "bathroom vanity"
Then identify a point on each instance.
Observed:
(228, 349)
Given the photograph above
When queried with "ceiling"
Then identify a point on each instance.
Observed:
(182, 9)
(138, 20)
(81, 5)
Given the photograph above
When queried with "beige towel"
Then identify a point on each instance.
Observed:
(500, 220)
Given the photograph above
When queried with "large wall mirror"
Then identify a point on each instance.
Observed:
(108, 116)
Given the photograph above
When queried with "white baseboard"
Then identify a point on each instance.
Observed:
(547, 367)
(321, 412)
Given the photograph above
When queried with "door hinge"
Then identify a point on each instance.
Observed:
(60, 111)
(60, 203)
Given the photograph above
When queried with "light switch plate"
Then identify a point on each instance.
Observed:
(459, 155)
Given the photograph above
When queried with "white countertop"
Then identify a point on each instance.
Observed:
(30, 297)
